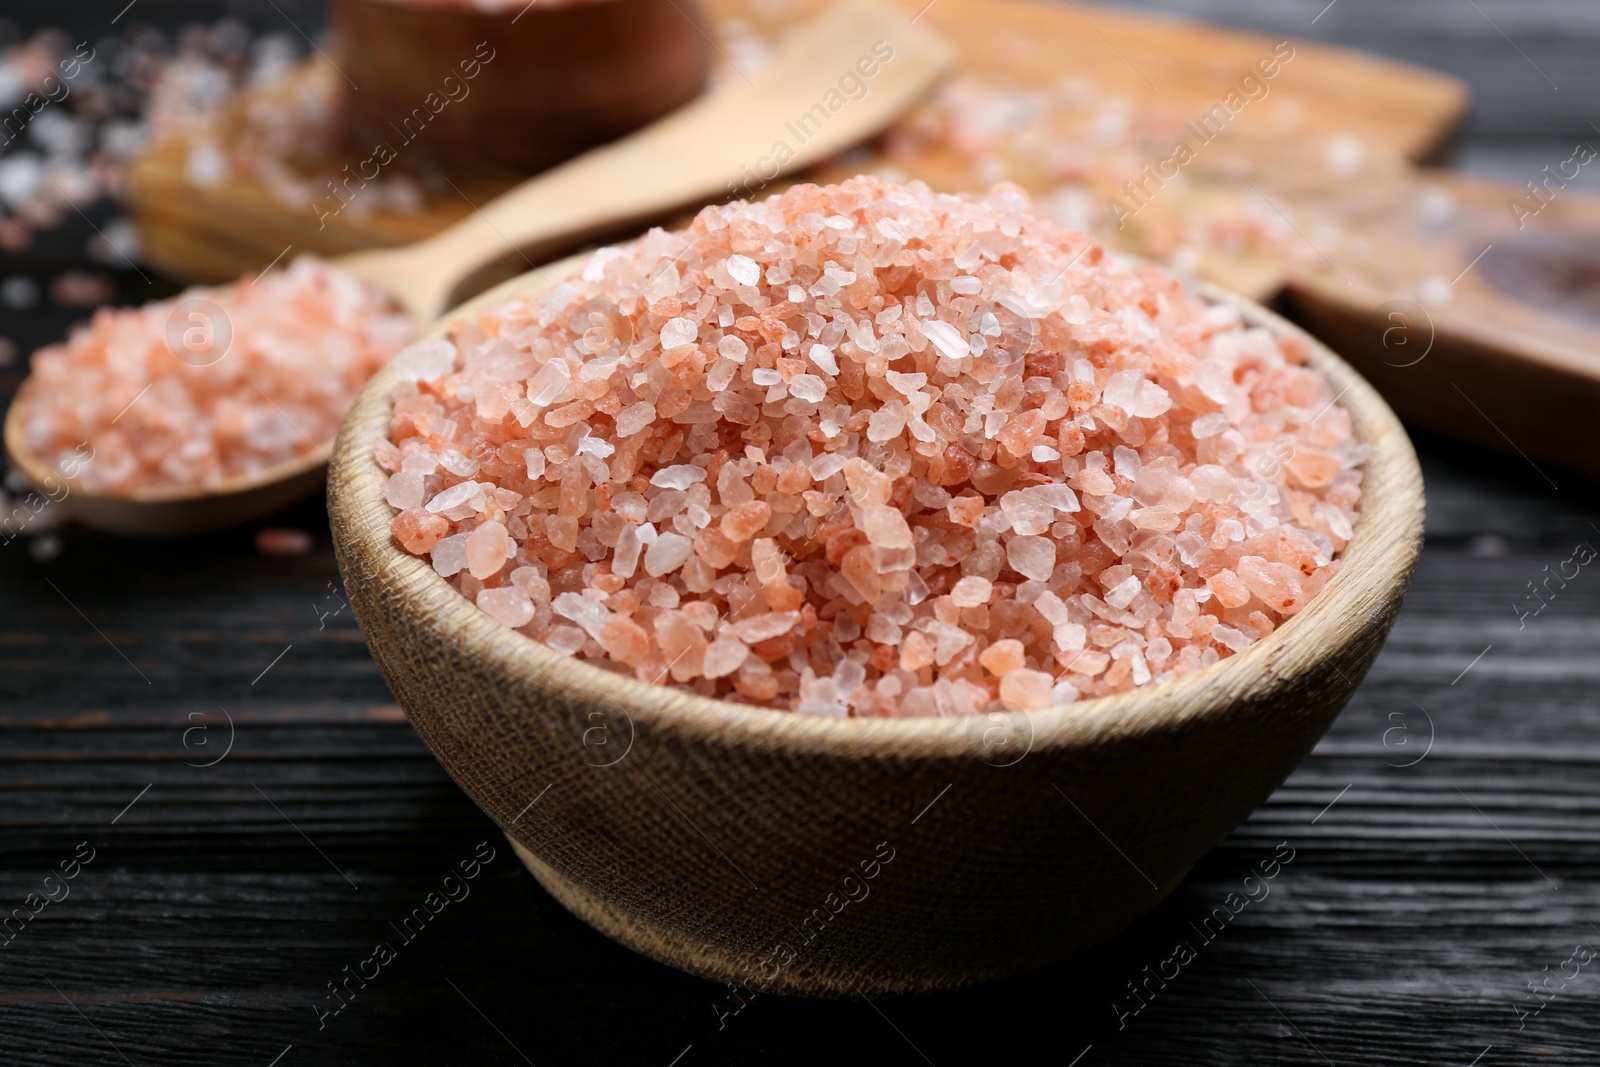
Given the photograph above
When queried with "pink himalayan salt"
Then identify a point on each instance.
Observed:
(303, 342)
(283, 541)
(1085, 482)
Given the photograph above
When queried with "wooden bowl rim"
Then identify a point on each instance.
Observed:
(37, 472)
(1377, 561)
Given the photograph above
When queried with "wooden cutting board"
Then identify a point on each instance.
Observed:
(1475, 315)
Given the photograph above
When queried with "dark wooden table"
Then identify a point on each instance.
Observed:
(1445, 834)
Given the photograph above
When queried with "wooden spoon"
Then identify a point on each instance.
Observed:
(789, 115)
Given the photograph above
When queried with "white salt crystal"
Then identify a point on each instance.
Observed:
(743, 270)
(946, 338)
(1214, 380)
(1070, 636)
(1235, 640)
(1153, 401)
(667, 553)
(567, 640)
(404, 490)
(886, 423)
(905, 383)
(678, 476)
(1058, 496)
(589, 614)
(1123, 593)
(734, 348)
(450, 554)
(678, 332)
(552, 379)
(1122, 390)
(1032, 557)
(822, 356)
(1028, 514)
(634, 418)
(625, 559)
(455, 495)
(508, 605)
(595, 269)
(425, 361)
(808, 387)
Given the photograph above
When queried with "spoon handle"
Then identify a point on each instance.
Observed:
(828, 86)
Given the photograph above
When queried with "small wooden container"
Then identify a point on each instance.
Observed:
(524, 87)
(831, 857)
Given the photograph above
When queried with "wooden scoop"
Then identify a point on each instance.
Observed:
(787, 116)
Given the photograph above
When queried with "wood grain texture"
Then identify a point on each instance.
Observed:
(1402, 933)
(553, 81)
(714, 837)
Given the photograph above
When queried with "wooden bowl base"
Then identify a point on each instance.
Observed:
(803, 978)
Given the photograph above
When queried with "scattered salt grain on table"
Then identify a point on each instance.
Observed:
(211, 385)
(867, 450)
(283, 541)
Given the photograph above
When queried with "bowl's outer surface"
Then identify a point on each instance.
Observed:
(736, 843)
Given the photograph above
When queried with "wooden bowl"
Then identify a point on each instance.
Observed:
(818, 856)
(524, 87)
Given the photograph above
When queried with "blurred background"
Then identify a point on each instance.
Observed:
(1445, 835)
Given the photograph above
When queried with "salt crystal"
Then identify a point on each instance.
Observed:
(808, 387)
(567, 640)
(404, 490)
(1031, 557)
(767, 626)
(1123, 388)
(425, 361)
(971, 591)
(743, 270)
(589, 614)
(454, 496)
(450, 554)
(551, 381)
(1024, 688)
(680, 476)
(822, 356)
(666, 554)
(1122, 595)
(946, 338)
(724, 656)
(507, 605)
(678, 332)
(885, 526)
